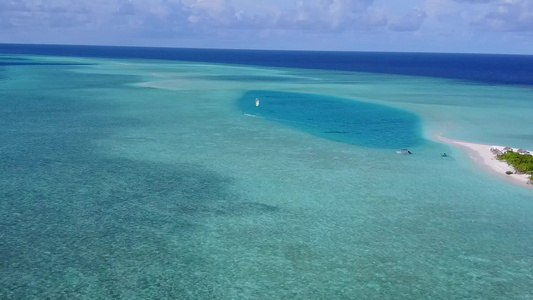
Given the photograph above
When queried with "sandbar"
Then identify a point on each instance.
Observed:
(484, 157)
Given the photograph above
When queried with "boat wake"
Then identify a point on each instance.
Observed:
(250, 115)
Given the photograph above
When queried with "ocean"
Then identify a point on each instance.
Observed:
(151, 173)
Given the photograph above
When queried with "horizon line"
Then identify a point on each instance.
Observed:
(262, 50)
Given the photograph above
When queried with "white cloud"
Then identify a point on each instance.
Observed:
(375, 17)
(498, 15)
(412, 21)
(475, 1)
(437, 9)
(210, 11)
(322, 15)
(508, 15)
(328, 15)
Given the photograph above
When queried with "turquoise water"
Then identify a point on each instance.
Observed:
(147, 180)
(337, 119)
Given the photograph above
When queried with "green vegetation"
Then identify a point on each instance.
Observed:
(521, 162)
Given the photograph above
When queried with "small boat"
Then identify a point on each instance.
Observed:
(256, 101)
(403, 151)
(444, 154)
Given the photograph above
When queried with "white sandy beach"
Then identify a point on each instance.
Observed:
(483, 156)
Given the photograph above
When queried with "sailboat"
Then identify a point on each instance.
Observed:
(256, 101)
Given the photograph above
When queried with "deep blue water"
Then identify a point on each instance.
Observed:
(482, 68)
(341, 120)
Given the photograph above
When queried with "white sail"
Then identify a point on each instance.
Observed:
(256, 101)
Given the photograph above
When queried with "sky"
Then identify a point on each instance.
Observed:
(464, 26)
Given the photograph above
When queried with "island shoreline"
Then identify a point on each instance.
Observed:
(482, 155)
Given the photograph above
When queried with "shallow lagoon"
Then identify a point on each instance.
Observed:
(143, 179)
